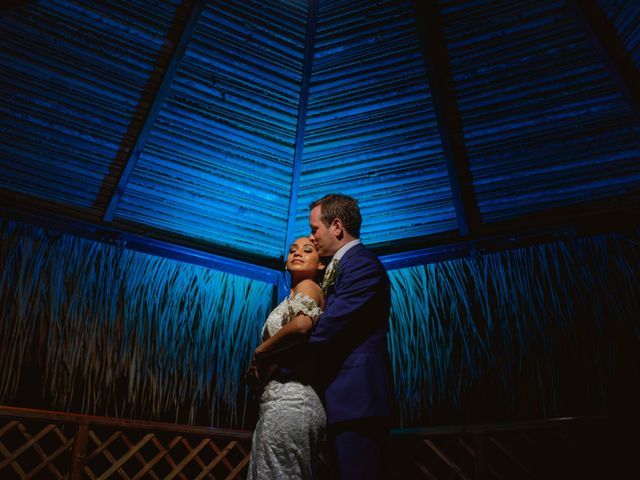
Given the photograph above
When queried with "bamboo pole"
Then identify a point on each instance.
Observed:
(79, 450)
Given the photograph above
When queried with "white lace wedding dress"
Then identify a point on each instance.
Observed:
(292, 418)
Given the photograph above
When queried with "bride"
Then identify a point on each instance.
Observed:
(292, 418)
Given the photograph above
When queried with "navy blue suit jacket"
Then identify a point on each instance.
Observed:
(349, 341)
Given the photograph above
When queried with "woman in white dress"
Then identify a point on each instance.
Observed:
(292, 418)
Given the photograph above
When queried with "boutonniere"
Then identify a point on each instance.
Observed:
(329, 276)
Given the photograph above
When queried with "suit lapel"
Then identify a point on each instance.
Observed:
(346, 259)
(343, 263)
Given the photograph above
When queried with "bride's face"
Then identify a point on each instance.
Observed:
(303, 259)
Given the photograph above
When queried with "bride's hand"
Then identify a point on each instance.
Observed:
(252, 377)
(260, 373)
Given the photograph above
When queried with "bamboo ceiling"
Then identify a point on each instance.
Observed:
(210, 126)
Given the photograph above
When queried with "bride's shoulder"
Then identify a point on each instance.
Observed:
(310, 289)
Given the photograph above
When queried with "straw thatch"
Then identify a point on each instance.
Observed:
(97, 328)
(535, 332)
(117, 332)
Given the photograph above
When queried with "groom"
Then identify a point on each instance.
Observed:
(349, 339)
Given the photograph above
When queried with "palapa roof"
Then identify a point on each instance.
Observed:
(202, 130)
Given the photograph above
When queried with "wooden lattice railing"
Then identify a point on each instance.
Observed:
(53, 445)
(560, 448)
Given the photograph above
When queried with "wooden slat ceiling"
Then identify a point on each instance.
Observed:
(545, 124)
(217, 166)
(543, 121)
(72, 77)
(371, 130)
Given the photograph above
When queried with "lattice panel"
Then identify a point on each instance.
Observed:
(135, 455)
(31, 449)
(37, 444)
(498, 455)
(434, 457)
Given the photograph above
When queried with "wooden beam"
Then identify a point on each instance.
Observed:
(142, 243)
(281, 288)
(610, 48)
(620, 214)
(121, 423)
(307, 70)
(434, 50)
(79, 450)
(179, 43)
(535, 229)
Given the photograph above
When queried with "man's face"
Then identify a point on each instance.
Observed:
(322, 236)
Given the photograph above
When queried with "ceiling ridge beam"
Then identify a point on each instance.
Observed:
(604, 37)
(516, 237)
(180, 42)
(310, 41)
(430, 31)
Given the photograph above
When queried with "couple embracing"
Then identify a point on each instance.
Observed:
(323, 362)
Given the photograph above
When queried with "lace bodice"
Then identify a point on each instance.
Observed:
(289, 308)
(292, 418)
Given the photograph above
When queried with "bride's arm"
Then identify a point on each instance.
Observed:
(293, 332)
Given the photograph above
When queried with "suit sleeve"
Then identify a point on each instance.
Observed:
(346, 309)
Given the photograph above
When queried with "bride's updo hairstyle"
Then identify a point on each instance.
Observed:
(320, 275)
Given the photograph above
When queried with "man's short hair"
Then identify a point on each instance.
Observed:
(344, 207)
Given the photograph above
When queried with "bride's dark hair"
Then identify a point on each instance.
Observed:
(320, 275)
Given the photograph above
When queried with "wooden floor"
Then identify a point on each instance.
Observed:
(54, 445)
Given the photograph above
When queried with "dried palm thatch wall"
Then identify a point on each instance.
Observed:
(542, 331)
(116, 332)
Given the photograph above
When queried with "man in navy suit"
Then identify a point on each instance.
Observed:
(349, 340)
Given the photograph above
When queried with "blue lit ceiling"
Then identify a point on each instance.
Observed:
(212, 125)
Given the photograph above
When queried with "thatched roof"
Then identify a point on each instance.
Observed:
(212, 125)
